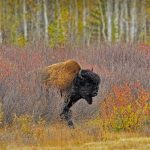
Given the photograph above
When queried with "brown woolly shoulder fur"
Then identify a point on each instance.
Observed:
(60, 75)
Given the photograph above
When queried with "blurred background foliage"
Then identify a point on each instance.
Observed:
(61, 22)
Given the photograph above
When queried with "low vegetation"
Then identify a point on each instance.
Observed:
(117, 119)
(23, 133)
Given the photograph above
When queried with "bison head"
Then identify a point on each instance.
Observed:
(86, 85)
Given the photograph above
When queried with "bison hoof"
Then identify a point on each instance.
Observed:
(70, 124)
(62, 116)
(67, 115)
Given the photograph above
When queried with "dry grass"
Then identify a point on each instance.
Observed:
(24, 134)
(58, 136)
(123, 144)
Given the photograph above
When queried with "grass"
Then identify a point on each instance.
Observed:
(140, 143)
(26, 136)
(123, 143)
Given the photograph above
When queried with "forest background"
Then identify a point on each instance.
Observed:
(74, 21)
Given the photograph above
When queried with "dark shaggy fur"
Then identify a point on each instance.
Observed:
(85, 85)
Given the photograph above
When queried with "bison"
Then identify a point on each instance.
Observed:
(72, 82)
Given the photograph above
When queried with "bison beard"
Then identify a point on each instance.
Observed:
(85, 85)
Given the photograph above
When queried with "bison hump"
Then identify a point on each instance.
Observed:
(60, 75)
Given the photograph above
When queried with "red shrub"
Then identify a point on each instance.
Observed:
(145, 48)
(5, 68)
(125, 107)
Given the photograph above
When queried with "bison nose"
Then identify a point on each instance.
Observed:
(95, 93)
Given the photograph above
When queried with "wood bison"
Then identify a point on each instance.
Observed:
(72, 82)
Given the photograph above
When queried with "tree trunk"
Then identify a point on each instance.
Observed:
(53, 12)
(126, 21)
(25, 20)
(38, 29)
(109, 19)
(88, 34)
(121, 23)
(1, 20)
(76, 19)
(70, 26)
(143, 21)
(84, 22)
(45, 21)
(16, 19)
(58, 14)
(103, 21)
(116, 19)
(133, 21)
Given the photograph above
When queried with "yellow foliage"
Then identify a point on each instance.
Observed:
(20, 41)
(24, 123)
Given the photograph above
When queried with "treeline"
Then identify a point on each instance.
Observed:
(59, 22)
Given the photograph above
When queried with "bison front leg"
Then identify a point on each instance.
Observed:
(66, 112)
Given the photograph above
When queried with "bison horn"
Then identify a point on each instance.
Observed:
(80, 74)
